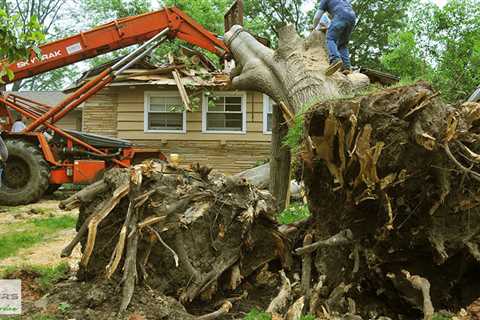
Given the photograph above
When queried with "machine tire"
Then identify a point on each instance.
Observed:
(26, 175)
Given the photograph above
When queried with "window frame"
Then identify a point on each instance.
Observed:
(266, 105)
(146, 111)
(225, 94)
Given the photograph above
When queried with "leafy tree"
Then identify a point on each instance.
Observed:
(376, 19)
(47, 14)
(405, 61)
(17, 38)
(448, 43)
(263, 17)
(101, 11)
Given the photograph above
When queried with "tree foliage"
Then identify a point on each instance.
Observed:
(441, 45)
(17, 39)
(43, 20)
(376, 19)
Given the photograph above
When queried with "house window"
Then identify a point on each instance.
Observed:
(224, 112)
(164, 112)
(268, 105)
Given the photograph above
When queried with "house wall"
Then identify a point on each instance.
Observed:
(120, 112)
(71, 121)
(100, 113)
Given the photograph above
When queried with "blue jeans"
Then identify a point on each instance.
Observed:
(338, 36)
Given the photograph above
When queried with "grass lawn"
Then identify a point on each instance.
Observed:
(26, 234)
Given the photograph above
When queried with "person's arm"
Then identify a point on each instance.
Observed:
(319, 14)
(318, 17)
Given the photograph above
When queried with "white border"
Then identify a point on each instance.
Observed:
(241, 94)
(146, 96)
(266, 104)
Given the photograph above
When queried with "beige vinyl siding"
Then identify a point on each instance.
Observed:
(130, 121)
(71, 121)
(100, 113)
(226, 152)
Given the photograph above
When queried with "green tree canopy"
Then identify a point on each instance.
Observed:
(441, 45)
(17, 39)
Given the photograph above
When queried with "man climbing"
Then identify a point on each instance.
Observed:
(338, 34)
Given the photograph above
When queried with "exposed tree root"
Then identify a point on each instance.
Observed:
(182, 228)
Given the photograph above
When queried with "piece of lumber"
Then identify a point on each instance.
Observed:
(181, 87)
(157, 71)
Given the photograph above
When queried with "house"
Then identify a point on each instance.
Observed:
(72, 120)
(227, 129)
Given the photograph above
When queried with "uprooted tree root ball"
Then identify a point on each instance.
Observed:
(190, 234)
(394, 176)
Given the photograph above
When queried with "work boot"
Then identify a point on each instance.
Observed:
(346, 71)
(334, 67)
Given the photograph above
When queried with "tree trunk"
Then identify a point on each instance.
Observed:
(394, 174)
(279, 161)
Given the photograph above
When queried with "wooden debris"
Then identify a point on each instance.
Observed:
(160, 219)
(85, 195)
(340, 239)
(181, 88)
(423, 285)
(279, 303)
(224, 309)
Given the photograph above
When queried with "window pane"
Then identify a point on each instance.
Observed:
(233, 108)
(165, 121)
(224, 122)
(271, 105)
(233, 100)
(166, 104)
(269, 122)
(157, 107)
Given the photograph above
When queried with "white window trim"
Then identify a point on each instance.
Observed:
(242, 94)
(146, 99)
(266, 104)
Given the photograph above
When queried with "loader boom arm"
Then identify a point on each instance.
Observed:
(116, 35)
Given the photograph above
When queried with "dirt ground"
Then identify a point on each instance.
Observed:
(46, 253)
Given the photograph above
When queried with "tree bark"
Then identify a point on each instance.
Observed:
(294, 74)
(280, 161)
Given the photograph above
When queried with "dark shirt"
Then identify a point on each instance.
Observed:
(338, 8)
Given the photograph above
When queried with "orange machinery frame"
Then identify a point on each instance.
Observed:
(151, 28)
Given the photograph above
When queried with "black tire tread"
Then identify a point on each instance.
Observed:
(33, 194)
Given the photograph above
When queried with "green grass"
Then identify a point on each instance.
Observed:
(26, 234)
(255, 314)
(437, 316)
(296, 212)
(46, 276)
